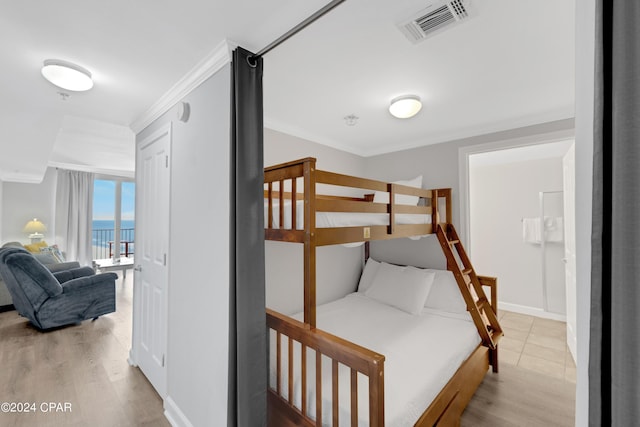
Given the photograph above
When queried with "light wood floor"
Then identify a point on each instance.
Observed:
(536, 383)
(83, 365)
(86, 366)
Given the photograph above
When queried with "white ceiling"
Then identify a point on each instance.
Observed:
(510, 65)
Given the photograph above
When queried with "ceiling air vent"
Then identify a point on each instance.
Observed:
(433, 19)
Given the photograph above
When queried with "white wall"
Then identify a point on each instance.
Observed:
(1, 208)
(198, 290)
(501, 195)
(338, 268)
(439, 165)
(585, 36)
(281, 147)
(22, 202)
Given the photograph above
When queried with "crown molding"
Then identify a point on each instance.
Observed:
(97, 170)
(211, 64)
(20, 177)
(298, 132)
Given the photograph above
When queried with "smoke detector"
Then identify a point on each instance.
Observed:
(434, 18)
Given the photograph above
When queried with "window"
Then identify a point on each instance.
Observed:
(113, 218)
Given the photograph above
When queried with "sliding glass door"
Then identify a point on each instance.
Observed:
(113, 218)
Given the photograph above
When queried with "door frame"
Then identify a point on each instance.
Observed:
(463, 169)
(137, 308)
(463, 172)
(570, 264)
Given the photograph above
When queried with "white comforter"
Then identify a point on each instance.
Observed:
(422, 353)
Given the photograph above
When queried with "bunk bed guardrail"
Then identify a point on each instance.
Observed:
(290, 192)
(358, 359)
(283, 411)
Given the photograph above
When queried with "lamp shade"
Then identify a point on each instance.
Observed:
(34, 226)
(67, 75)
(406, 106)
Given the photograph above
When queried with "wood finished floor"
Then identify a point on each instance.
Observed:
(86, 366)
(536, 383)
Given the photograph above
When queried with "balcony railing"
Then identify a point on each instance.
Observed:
(103, 241)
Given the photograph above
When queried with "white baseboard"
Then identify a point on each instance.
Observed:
(174, 415)
(531, 311)
(132, 359)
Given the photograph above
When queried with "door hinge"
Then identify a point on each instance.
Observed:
(163, 360)
(166, 161)
(165, 260)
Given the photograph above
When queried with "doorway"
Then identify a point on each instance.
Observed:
(516, 225)
(505, 188)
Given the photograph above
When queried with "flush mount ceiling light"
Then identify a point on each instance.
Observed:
(67, 75)
(405, 106)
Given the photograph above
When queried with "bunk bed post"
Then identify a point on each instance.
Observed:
(445, 193)
(376, 395)
(447, 200)
(309, 169)
(492, 284)
(435, 215)
(391, 208)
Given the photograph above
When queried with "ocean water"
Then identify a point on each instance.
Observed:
(99, 224)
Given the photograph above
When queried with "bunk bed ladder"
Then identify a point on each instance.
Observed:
(479, 307)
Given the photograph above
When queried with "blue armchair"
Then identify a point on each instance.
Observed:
(46, 258)
(51, 299)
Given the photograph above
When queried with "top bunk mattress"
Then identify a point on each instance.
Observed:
(422, 353)
(337, 219)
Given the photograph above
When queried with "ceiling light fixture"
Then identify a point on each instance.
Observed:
(405, 106)
(66, 75)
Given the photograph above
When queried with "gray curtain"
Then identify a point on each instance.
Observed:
(247, 323)
(74, 211)
(614, 354)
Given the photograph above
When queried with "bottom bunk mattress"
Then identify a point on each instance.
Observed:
(422, 353)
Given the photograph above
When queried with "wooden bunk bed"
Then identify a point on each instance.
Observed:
(292, 202)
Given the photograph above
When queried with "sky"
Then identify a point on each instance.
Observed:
(104, 200)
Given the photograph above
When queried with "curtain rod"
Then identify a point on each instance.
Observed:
(292, 32)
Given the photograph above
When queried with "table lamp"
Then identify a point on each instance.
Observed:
(35, 228)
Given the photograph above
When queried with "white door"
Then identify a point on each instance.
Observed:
(569, 172)
(152, 244)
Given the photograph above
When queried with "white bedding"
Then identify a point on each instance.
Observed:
(422, 353)
(337, 219)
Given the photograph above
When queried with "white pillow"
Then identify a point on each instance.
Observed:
(405, 288)
(368, 274)
(401, 199)
(445, 294)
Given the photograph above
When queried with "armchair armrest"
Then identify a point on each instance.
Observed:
(61, 266)
(66, 275)
(80, 283)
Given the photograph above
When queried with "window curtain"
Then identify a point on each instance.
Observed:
(247, 323)
(614, 365)
(74, 211)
